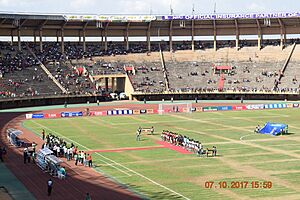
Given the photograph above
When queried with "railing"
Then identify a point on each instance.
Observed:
(215, 91)
(164, 69)
(45, 96)
(287, 62)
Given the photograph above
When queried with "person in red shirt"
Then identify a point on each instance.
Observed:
(89, 159)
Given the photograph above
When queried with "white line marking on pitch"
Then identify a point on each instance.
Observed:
(150, 180)
(241, 138)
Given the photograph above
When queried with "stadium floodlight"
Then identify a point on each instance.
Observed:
(171, 8)
(193, 9)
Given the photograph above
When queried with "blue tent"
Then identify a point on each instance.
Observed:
(273, 128)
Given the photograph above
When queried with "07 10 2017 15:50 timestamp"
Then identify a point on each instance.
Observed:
(238, 184)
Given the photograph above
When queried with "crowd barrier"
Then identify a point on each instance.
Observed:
(155, 111)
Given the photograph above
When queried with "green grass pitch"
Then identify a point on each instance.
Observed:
(167, 174)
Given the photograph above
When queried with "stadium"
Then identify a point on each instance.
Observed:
(149, 106)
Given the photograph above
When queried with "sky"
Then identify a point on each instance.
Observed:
(159, 7)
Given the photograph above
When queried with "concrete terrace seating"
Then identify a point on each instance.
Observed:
(102, 67)
(22, 75)
(148, 78)
(253, 76)
(68, 77)
(291, 78)
(185, 76)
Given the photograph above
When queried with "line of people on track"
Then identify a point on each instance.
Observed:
(60, 148)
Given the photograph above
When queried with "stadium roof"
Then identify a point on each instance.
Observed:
(140, 18)
(138, 25)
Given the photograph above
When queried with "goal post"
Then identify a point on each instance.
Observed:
(165, 108)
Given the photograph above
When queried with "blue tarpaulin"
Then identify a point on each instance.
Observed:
(273, 128)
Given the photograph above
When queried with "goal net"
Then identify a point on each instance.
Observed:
(174, 108)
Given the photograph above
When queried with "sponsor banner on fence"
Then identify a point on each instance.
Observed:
(193, 109)
(275, 106)
(289, 105)
(255, 106)
(209, 108)
(239, 107)
(150, 111)
(136, 112)
(119, 112)
(97, 113)
(53, 115)
(37, 116)
(295, 105)
(198, 109)
(224, 108)
(143, 111)
(71, 114)
(185, 110)
(28, 116)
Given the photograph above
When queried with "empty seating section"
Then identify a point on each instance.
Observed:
(191, 76)
(291, 78)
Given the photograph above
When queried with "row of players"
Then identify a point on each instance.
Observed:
(187, 143)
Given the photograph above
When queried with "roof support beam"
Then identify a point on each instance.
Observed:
(41, 26)
(2, 21)
(149, 37)
(105, 36)
(193, 35)
(83, 38)
(170, 36)
(259, 34)
(12, 36)
(215, 35)
(62, 37)
(19, 39)
(282, 33)
(237, 35)
(126, 37)
(22, 23)
(41, 39)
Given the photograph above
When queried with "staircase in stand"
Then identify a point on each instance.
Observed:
(164, 69)
(286, 64)
(221, 83)
(47, 71)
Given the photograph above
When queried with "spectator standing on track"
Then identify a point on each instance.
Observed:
(50, 185)
(43, 134)
(4, 153)
(88, 196)
(76, 159)
(1, 154)
(90, 160)
(25, 155)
